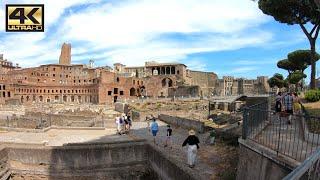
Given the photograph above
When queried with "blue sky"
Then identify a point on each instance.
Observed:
(226, 37)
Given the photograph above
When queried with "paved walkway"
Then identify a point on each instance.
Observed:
(204, 167)
(58, 137)
(286, 138)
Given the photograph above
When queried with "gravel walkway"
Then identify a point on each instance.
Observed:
(203, 168)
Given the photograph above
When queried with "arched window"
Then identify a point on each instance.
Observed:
(170, 82)
(132, 92)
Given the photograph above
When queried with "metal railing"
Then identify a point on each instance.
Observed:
(286, 136)
(309, 169)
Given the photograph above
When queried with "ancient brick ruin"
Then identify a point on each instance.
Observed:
(80, 83)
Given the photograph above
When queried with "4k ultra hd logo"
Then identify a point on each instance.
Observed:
(24, 17)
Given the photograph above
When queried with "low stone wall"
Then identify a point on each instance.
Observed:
(165, 167)
(139, 116)
(257, 162)
(85, 161)
(183, 122)
(42, 120)
(121, 107)
(136, 158)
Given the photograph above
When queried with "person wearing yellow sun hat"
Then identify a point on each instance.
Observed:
(192, 140)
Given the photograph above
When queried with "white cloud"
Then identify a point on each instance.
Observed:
(196, 65)
(132, 31)
(244, 69)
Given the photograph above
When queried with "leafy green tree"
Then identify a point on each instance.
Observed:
(286, 65)
(301, 59)
(295, 78)
(277, 80)
(299, 12)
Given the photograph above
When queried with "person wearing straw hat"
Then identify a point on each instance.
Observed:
(192, 141)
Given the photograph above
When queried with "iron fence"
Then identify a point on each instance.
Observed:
(288, 136)
(308, 169)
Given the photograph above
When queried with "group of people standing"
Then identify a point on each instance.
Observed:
(192, 140)
(124, 124)
(289, 103)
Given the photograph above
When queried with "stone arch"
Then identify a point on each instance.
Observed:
(167, 82)
(142, 90)
(40, 98)
(170, 82)
(72, 98)
(27, 98)
(22, 99)
(65, 98)
(132, 92)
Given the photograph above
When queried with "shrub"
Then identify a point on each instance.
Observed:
(312, 95)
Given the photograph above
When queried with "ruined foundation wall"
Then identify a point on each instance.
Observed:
(92, 161)
(183, 122)
(253, 165)
(185, 91)
(81, 161)
(165, 168)
(205, 80)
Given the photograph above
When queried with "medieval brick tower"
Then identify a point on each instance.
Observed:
(65, 56)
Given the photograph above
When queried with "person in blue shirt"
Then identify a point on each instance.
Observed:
(154, 129)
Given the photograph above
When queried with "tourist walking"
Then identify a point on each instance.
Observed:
(192, 141)
(168, 139)
(154, 130)
(129, 123)
(118, 123)
(288, 104)
(296, 104)
(278, 106)
(126, 123)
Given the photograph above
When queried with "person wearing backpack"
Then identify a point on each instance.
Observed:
(278, 105)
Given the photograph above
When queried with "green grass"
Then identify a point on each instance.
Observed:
(314, 123)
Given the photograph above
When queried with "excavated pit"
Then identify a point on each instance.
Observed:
(116, 160)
